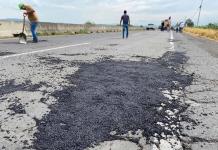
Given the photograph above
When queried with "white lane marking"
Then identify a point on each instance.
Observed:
(172, 46)
(43, 50)
(171, 35)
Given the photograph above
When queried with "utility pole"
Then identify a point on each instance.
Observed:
(199, 15)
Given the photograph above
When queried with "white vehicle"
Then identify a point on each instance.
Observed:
(150, 27)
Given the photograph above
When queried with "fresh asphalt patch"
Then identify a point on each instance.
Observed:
(110, 96)
(10, 86)
(49, 60)
(101, 49)
(17, 107)
(113, 45)
(78, 54)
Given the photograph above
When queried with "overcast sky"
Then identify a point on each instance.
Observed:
(109, 11)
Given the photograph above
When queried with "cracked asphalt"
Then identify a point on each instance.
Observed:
(100, 92)
(201, 96)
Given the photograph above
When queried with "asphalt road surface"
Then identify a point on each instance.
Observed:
(153, 91)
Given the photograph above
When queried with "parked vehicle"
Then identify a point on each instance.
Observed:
(150, 27)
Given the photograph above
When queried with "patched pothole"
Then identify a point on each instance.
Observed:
(119, 96)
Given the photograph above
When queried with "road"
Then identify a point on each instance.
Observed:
(155, 90)
(202, 95)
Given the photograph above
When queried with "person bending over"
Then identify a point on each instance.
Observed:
(33, 18)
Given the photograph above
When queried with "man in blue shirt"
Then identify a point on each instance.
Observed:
(126, 22)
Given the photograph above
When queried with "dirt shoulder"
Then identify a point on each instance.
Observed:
(211, 34)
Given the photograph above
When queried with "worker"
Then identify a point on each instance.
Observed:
(169, 24)
(181, 26)
(33, 18)
(126, 22)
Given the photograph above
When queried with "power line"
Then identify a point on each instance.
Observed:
(194, 14)
(199, 15)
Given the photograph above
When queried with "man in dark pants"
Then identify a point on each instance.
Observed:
(33, 18)
(126, 22)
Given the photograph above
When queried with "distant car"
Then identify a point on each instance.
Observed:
(150, 27)
(159, 27)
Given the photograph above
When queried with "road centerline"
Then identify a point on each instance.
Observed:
(172, 46)
(43, 50)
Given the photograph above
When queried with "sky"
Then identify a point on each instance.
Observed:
(141, 12)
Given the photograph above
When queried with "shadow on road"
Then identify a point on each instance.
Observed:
(17, 42)
(6, 53)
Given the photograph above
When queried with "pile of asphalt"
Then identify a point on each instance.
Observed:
(110, 96)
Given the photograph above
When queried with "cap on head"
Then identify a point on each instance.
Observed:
(125, 11)
(21, 5)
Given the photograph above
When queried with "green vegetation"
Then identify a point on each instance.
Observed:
(210, 26)
(189, 23)
(89, 23)
(87, 28)
(45, 33)
(83, 31)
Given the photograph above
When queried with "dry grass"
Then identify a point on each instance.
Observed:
(208, 33)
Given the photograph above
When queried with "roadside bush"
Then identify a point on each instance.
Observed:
(209, 26)
(204, 32)
(89, 23)
(83, 31)
(212, 26)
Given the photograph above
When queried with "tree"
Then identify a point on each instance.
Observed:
(212, 26)
(189, 23)
(89, 23)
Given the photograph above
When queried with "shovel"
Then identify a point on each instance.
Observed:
(22, 36)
